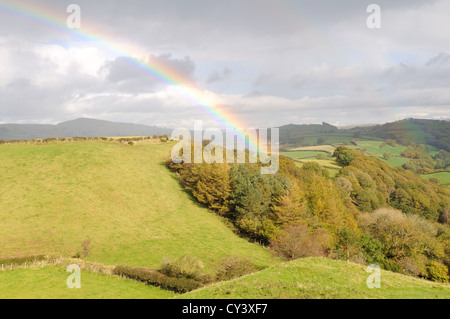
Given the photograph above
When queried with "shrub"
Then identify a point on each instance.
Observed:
(155, 278)
(85, 249)
(348, 246)
(437, 272)
(344, 155)
(435, 180)
(393, 230)
(393, 265)
(408, 242)
(184, 267)
(444, 216)
(22, 260)
(297, 242)
(233, 267)
(345, 184)
(414, 266)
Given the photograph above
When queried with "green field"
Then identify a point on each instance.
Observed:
(50, 283)
(304, 154)
(395, 161)
(443, 177)
(320, 278)
(318, 148)
(330, 165)
(373, 148)
(136, 213)
(123, 198)
(330, 138)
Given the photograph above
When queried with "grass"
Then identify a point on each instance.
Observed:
(309, 153)
(443, 177)
(320, 278)
(323, 148)
(302, 157)
(134, 210)
(373, 148)
(395, 161)
(325, 163)
(304, 154)
(330, 138)
(51, 283)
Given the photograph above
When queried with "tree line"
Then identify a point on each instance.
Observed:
(370, 212)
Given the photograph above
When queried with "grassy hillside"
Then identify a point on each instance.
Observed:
(123, 198)
(50, 283)
(432, 132)
(302, 155)
(320, 278)
(443, 177)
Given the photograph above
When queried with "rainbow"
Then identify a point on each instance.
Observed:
(207, 102)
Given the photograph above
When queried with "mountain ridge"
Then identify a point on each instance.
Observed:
(81, 127)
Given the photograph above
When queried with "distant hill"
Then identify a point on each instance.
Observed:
(432, 132)
(82, 127)
(407, 131)
(295, 134)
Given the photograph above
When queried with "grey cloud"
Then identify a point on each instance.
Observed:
(275, 48)
(442, 59)
(219, 76)
(124, 68)
(264, 79)
(124, 75)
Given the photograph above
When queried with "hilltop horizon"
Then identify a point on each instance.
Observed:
(351, 125)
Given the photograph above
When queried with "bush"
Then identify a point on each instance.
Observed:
(437, 272)
(184, 267)
(408, 242)
(414, 266)
(233, 267)
(297, 242)
(344, 155)
(345, 184)
(85, 249)
(393, 265)
(155, 278)
(435, 180)
(22, 260)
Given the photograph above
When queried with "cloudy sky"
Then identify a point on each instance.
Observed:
(266, 62)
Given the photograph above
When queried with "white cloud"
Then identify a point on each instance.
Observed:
(269, 63)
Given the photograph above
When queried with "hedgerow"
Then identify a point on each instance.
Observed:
(156, 278)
